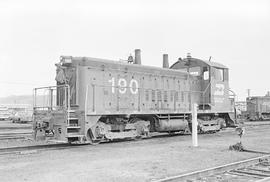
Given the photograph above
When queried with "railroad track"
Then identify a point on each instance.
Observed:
(22, 135)
(255, 169)
(13, 135)
(36, 148)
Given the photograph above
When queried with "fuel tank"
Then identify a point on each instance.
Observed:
(172, 125)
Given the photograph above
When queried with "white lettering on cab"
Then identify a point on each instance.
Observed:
(219, 89)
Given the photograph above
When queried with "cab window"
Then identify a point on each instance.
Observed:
(218, 74)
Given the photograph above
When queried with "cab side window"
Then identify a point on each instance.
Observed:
(218, 74)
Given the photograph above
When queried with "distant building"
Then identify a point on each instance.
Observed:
(241, 106)
(16, 112)
(18, 106)
(4, 112)
(13, 108)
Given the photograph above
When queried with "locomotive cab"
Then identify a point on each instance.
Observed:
(214, 86)
(213, 78)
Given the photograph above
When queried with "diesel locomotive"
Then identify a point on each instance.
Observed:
(97, 100)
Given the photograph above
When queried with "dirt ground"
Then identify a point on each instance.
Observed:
(143, 160)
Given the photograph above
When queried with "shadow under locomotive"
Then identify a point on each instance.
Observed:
(101, 100)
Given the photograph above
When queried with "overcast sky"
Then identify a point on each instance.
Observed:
(34, 34)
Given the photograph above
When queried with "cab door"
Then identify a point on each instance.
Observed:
(206, 86)
(220, 89)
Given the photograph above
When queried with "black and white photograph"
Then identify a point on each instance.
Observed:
(134, 91)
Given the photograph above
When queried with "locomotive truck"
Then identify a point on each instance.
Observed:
(97, 100)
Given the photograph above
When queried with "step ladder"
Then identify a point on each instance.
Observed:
(73, 126)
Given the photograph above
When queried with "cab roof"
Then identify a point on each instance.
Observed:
(191, 62)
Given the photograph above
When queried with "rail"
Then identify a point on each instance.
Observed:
(35, 148)
(248, 170)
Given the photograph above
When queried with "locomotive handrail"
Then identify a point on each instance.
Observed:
(55, 86)
(234, 94)
(194, 91)
(206, 88)
(50, 99)
(92, 105)
(204, 95)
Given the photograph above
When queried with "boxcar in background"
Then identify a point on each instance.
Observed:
(258, 108)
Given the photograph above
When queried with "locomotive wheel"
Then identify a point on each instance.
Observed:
(90, 138)
(198, 128)
(142, 127)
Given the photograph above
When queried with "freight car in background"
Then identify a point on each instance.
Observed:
(4, 113)
(101, 100)
(258, 107)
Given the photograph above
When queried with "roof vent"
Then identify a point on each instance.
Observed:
(165, 61)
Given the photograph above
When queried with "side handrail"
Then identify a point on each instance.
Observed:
(206, 88)
(51, 97)
(204, 94)
(140, 91)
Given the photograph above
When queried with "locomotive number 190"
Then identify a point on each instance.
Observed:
(123, 85)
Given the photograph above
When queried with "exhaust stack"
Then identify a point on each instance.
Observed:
(165, 61)
(137, 56)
